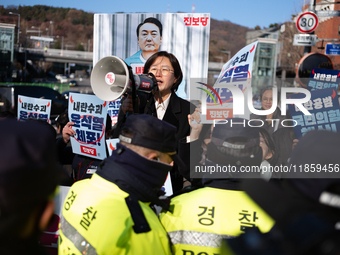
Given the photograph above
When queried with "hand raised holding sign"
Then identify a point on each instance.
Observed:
(68, 131)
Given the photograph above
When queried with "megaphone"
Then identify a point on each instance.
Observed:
(111, 77)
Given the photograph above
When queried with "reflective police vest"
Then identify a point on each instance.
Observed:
(97, 220)
(202, 218)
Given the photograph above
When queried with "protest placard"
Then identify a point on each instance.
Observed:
(33, 108)
(218, 101)
(89, 113)
(324, 109)
(323, 79)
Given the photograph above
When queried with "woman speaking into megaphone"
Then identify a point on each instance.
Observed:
(167, 71)
(163, 103)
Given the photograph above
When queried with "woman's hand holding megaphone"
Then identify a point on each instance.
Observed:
(126, 102)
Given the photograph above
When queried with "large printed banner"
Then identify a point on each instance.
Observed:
(89, 113)
(324, 109)
(186, 35)
(218, 102)
(33, 108)
(323, 79)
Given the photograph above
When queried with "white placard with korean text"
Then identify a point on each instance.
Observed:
(89, 113)
(218, 102)
(34, 108)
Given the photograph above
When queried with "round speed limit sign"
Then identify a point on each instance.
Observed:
(307, 22)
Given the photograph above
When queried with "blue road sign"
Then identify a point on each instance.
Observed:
(332, 49)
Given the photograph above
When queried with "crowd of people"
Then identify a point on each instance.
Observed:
(120, 208)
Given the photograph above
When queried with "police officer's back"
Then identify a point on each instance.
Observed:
(200, 219)
(110, 213)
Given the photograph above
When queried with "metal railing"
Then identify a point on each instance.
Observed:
(56, 86)
(61, 53)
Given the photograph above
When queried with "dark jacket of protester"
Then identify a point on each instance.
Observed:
(176, 114)
(275, 124)
(82, 167)
(29, 175)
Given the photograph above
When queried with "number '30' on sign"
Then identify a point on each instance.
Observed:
(307, 22)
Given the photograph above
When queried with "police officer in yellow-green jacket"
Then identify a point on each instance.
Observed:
(110, 213)
(199, 219)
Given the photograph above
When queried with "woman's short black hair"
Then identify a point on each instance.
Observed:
(175, 65)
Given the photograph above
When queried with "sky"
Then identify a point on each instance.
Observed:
(248, 13)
